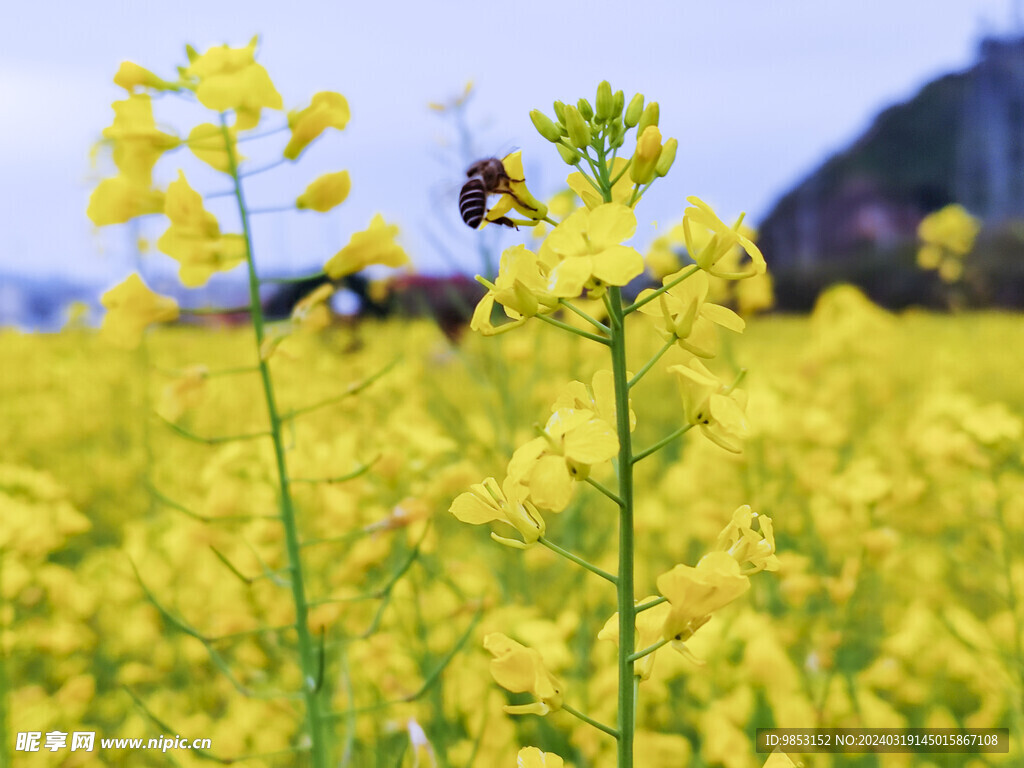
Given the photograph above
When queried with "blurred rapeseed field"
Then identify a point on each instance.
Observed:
(256, 535)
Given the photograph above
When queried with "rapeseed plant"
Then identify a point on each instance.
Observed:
(584, 257)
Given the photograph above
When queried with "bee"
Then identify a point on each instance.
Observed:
(486, 177)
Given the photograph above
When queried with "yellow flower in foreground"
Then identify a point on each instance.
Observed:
(207, 143)
(486, 503)
(325, 192)
(375, 245)
(520, 669)
(622, 189)
(520, 197)
(531, 757)
(650, 626)
(599, 397)
(131, 306)
(573, 440)
(131, 76)
(587, 252)
(117, 200)
(137, 144)
(701, 223)
(709, 404)
(194, 239)
(520, 288)
(230, 78)
(694, 593)
(686, 316)
(327, 110)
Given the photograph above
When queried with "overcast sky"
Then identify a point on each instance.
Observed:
(758, 93)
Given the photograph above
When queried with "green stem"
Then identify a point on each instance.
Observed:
(626, 604)
(590, 721)
(651, 604)
(578, 560)
(319, 748)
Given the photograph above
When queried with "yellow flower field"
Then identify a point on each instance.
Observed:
(886, 449)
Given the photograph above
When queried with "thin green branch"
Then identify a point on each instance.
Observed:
(649, 649)
(165, 728)
(650, 363)
(658, 291)
(648, 605)
(573, 329)
(357, 472)
(590, 721)
(352, 389)
(606, 491)
(593, 321)
(578, 560)
(662, 443)
(273, 209)
(169, 502)
(220, 440)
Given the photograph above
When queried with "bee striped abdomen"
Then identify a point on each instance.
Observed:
(473, 202)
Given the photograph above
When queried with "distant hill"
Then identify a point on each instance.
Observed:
(960, 139)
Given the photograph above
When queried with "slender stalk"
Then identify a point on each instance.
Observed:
(663, 442)
(650, 363)
(566, 327)
(658, 291)
(578, 560)
(626, 605)
(319, 747)
(591, 721)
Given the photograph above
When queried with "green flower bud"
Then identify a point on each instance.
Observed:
(615, 133)
(544, 126)
(560, 111)
(605, 104)
(668, 156)
(649, 117)
(577, 126)
(634, 110)
(585, 109)
(618, 102)
(571, 156)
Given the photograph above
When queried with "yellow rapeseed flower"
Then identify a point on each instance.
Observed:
(194, 239)
(520, 288)
(694, 593)
(573, 440)
(131, 76)
(947, 235)
(684, 314)
(587, 251)
(520, 669)
(709, 404)
(137, 144)
(207, 143)
(230, 79)
(374, 245)
(699, 219)
(325, 192)
(486, 503)
(118, 199)
(326, 110)
(131, 306)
